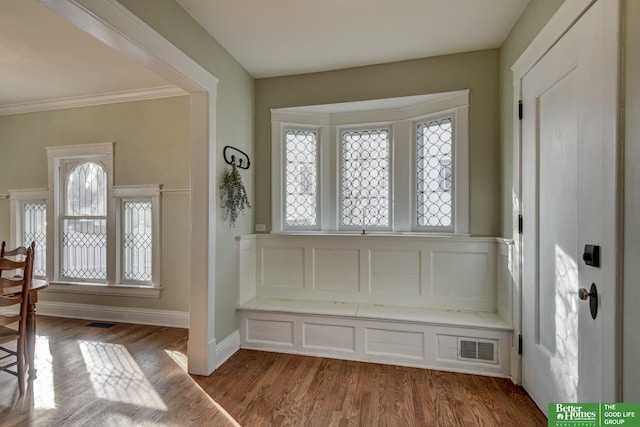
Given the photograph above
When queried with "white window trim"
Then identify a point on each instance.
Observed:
(112, 286)
(460, 119)
(142, 193)
(17, 200)
(102, 152)
(399, 113)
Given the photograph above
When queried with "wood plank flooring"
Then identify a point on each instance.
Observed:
(135, 375)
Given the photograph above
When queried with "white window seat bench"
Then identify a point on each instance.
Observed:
(419, 315)
(381, 315)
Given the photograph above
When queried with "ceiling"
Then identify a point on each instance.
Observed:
(45, 58)
(280, 37)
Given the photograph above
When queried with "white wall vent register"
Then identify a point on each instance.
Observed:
(479, 351)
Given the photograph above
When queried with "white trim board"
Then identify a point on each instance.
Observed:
(227, 348)
(141, 316)
(92, 100)
(116, 26)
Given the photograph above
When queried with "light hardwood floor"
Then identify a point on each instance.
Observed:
(135, 375)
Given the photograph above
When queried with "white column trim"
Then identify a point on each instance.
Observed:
(116, 26)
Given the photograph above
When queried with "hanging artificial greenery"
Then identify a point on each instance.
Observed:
(233, 195)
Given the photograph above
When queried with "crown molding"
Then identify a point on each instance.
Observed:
(91, 100)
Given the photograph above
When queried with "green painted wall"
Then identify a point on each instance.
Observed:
(477, 71)
(532, 20)
(235, 118)
(631, 300)
(151, 147)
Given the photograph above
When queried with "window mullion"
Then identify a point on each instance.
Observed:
(328, 173)
(403, 176)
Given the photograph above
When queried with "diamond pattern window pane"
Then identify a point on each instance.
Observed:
(87, 190)
(365, 178)
(301, 158)
(35, 230)
(137, 241)
(435, 174)
(84, 248)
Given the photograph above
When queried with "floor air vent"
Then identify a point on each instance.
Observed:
(477, 350)
(100, 325)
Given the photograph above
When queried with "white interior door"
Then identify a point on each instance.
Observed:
(569, 199)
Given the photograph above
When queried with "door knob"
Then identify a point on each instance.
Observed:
(584, 294)
(592, 296)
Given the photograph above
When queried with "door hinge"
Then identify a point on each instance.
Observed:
(520, 110)
(520, 224)
(519, 344)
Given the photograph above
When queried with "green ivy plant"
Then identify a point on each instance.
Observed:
(233, 195)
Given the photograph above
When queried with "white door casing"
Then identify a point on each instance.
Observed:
(113, 24)
(569, 181)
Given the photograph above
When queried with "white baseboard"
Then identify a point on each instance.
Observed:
(516, 361)
(176, 319)
(227, 347)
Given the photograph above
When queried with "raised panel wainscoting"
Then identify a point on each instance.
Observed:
(440, 302)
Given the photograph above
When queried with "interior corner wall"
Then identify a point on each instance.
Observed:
(151, 147)
(477, 71)
(532, 20)
(235, 126)
(631, 290)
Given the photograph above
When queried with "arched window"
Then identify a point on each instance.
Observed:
(91, 236)
(84, 223)
(86, 193)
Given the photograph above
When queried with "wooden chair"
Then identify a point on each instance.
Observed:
(14, 292)
(17, 253)
(4, 252)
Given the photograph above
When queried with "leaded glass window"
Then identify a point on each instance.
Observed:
(434, 195)
(84, 225)
(301, 177)
(35, 230)
(137, 240)
(365, 189)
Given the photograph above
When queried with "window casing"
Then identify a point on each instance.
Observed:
(414, 192)
(83, 220)
(28, 218)
(435, 177)
(91, 236)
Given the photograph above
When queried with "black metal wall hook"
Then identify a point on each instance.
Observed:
(230, 158)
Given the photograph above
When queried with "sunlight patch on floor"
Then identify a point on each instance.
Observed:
(181, 359)
(112, 419)
(44, 393)
(116, 376)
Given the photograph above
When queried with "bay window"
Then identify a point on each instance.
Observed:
(390, 165)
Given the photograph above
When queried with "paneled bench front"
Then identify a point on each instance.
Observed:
(424, 301)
